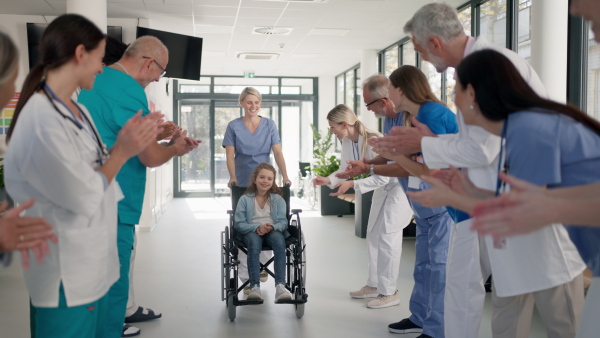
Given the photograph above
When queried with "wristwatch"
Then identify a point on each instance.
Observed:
(372, 169)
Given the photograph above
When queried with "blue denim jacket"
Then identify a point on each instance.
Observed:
(244, 212)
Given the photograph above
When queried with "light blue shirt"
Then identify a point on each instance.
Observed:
(251, 149)
(554, 150)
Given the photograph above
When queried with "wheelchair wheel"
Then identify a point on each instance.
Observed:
(299, 307)
(231, 306)
(225, 263)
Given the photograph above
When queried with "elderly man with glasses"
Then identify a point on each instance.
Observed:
(118, 94)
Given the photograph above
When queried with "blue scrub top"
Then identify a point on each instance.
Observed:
(440, 120)
(251, 149)
(554, 150)
(115, 98)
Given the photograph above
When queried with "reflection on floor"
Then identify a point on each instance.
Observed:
(178, 273)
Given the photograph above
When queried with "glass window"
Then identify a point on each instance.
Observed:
(409, 56)
(493, 21)
(339, 83)
(593, 85)
(186, 88)
(524, 36)
(350, 88)
(450, 83)
(302, 85)
(435, 78)
(464, 16)
(391, 60)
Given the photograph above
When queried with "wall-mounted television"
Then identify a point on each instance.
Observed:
(34, 35)
(185, 53)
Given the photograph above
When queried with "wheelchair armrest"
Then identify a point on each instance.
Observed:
(230, 212)
(296, 211)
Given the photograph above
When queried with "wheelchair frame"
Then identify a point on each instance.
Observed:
(295, 265)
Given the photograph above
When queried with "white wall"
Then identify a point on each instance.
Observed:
(326, 100)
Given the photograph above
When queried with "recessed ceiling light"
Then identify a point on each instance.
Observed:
(256, 55)
(295, 0)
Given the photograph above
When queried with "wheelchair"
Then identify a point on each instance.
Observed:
(295, 261)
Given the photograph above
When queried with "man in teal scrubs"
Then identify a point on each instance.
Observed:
(118, 94)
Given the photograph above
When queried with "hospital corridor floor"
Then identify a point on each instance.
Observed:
(177, 272)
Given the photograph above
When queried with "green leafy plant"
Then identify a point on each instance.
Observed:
(324, 165)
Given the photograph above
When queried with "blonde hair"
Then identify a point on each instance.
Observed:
(250, 91)
(9, 58)
(342, 113)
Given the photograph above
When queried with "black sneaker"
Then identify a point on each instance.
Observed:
(405, 326)
(424, 336)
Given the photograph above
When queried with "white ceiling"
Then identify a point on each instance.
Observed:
(226, 26)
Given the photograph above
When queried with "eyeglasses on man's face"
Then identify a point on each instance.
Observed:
(163, 72)
(370, 103)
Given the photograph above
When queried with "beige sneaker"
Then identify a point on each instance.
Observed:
(384, 301)
(365, 292)
(264, 276)
(247, 289)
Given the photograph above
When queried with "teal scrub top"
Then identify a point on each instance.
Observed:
(115, 98)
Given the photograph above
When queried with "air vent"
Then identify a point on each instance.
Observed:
(272, 30)
(256, 56)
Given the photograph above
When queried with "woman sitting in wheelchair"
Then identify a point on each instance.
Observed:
(260, 216)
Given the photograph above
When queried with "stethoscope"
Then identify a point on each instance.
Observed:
(500, 243)
(101, 150)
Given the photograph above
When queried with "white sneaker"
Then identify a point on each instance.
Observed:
(264, 276)
(383, 301)
(247, 290)
(365, 292)
(281, 293)
(254, 293)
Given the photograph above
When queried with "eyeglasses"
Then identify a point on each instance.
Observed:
(164, 71)
(368, 104)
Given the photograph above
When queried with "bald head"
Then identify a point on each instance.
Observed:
(145, 59)
(147, 46)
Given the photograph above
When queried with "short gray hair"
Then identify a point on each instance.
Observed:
(434, 20)
(146, 45)
(377, 86)
(9, 57)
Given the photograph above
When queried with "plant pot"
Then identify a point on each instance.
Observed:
(362, 209)
(331, 205)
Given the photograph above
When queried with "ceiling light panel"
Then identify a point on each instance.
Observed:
(329, 32)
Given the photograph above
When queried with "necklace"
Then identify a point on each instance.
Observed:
(122, 67)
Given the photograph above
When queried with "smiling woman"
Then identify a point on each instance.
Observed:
(57, 157)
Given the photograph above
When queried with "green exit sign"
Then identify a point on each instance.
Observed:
(249, 75)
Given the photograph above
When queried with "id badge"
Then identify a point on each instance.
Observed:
(414, 182)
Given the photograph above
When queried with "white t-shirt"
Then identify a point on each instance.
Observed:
(262, 215)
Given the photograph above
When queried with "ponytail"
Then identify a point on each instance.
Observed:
(32, 84)
(366, 135)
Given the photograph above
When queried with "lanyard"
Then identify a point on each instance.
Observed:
(101, 149)
(499, 182)
(500, 243)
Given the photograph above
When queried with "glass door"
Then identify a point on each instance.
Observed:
(195, 168)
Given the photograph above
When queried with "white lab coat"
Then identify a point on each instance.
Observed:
(533, 262)
(390, 213)
(50, 159)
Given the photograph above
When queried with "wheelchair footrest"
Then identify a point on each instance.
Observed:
(242, 302)
(294, 301)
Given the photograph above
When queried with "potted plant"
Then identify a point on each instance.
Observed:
(324, 165)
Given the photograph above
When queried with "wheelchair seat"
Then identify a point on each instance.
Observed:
(231, 244)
